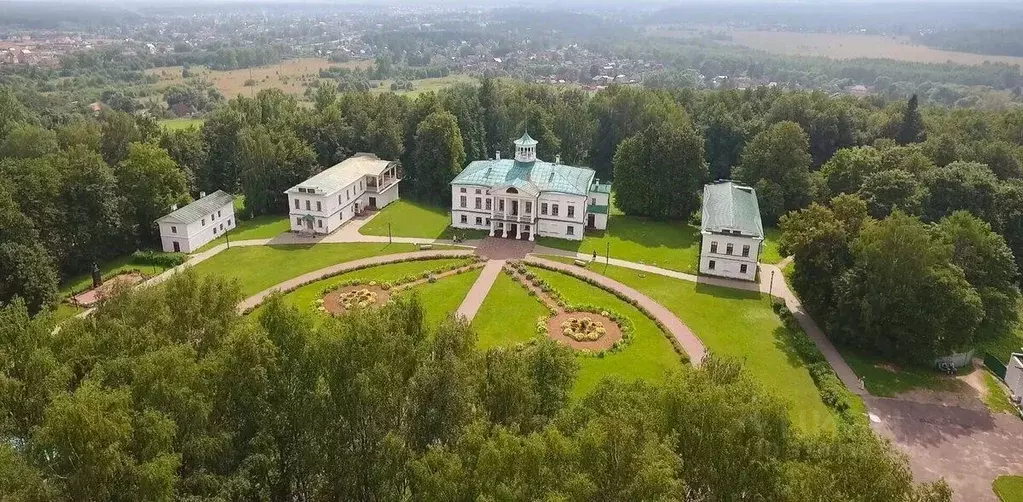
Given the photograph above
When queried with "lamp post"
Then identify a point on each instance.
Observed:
(770, 287)
(388, 232)
(227, 235)
(607, 255)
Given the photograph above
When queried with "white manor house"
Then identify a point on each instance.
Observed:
(325, 202)
(526, 197)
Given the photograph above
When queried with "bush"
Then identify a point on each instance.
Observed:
(158, 258)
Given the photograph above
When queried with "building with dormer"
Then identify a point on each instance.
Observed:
(525, 197)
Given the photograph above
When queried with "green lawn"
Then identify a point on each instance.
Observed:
(739, 324)
(882, 381)
(673, 245)
(259, 267)
(1009, 488)
(260, 227)
(414, 219)
(649, 355)
(305, 297)
(1003, 347)
(997, 400)
(443, 297)
(181, 123)
(508, 315)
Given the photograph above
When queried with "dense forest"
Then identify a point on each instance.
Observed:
(167, 393)
(1006, 42)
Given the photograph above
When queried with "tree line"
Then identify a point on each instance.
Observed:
(167, 393)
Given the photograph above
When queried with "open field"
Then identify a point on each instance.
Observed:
(672, 245)
(648, 355)
(738, 324)
(267, 226)
(443, 297)
(852, 46)
(1009, 488)
(407, 218)
(181, 123)
(886, 380)
(508, 315)
(259, 267)
(292, 76)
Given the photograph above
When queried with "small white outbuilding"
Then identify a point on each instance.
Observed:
(189, 228)
(732, 231)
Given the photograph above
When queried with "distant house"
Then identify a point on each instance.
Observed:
(1014, 374)
(732, 231)
(189, 228)
(323, 203)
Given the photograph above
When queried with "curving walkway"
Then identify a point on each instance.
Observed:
(340, 268)
(685, 337)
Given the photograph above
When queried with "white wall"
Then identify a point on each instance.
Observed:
(726, 265)
(195, 235)
(336, 207)
(1014, 376)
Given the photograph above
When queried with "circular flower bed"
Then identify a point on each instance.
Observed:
(583, 329)
(359, 297)
(351, 297)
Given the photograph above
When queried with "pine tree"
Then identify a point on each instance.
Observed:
(912, 128)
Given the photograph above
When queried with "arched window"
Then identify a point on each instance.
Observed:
(512, 190)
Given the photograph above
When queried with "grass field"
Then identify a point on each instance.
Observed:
(180, 123)
(508, 315)
(414, 219)
(996, 399)
(304, 298)
(110, 268)
(649, 355)
(881, 380)
(838, 45)
(443, 297)
(260, 227)
(1009, 488)
(739, 324)
(426, 85)
(667, 244)
(259, 267)
(1003, 347)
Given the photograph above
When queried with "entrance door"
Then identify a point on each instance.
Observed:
(591, 220)
(512, 230)
(515, 208)
(309, 225)
(177, 247)
(373, 202)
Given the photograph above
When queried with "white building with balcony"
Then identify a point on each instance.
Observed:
(321, 204)
(189, 228)
(733, 233)
(525, 197)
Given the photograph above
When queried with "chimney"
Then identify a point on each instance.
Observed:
(202, 194)
(557, 159)
(497, 155)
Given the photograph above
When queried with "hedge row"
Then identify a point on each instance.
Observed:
(158, 258)
(832, 391)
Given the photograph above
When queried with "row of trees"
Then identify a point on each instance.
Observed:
(166, 393)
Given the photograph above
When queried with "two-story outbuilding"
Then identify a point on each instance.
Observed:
(733, 233)
(323, 203)
(189, 228)
(525, 197)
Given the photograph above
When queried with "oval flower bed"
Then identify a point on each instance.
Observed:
(346, 298)
(584, 330)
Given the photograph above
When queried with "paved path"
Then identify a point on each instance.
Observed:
(474, 299)
(685, 337)
(255, 300)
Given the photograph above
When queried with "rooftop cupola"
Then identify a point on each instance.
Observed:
(525, 148)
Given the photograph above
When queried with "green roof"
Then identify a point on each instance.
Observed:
(526, 140)
(597, 209)
(538, 176)
(733, 207)
(601, 188)
(200, 208)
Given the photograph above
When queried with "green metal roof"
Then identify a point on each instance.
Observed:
(597, 209)
(601, 188)
(730, 206)
(526, 140)
(544, 176)
(200, 208)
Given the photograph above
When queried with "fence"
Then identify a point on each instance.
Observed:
(997, 367)
(958, 360)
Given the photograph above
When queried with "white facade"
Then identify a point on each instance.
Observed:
(524, 197)
(733, 256)
(187, 229)
(1014, 374)
(732, 232)
(323, 203)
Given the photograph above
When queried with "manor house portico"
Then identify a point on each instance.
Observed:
(525, 197)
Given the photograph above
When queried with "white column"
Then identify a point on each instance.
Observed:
(493, 224)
